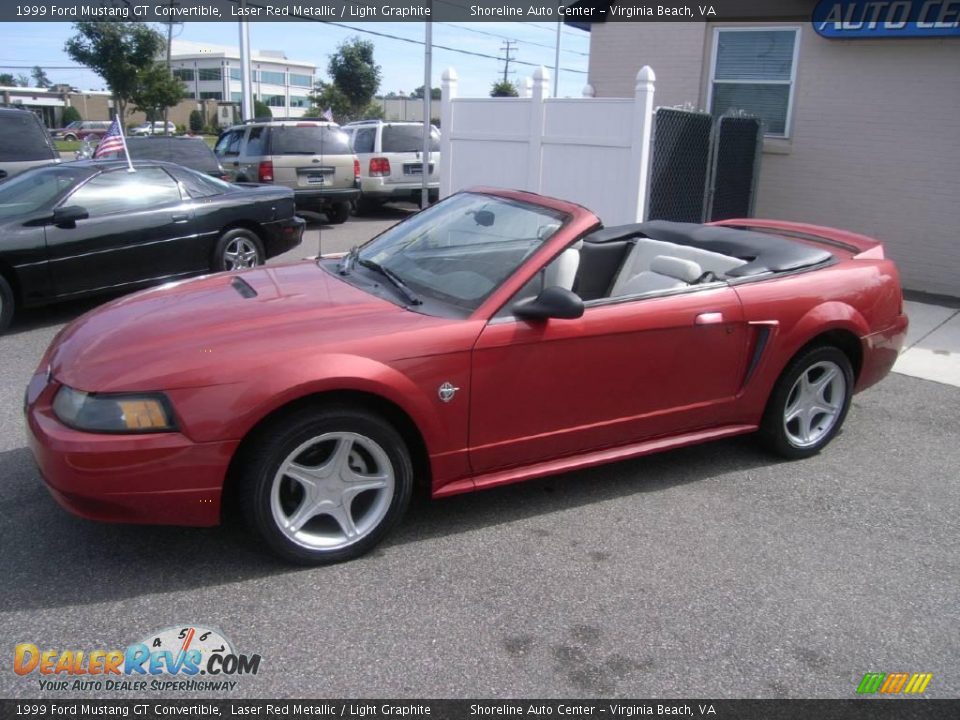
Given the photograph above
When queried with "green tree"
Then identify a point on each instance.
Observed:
(155, 91)
(23, 80)
(71, 114)
(39, 76)
(356, 79)
(196, 121)
(504, 88)
(434, 93)
(7, 80)
(118, 52)
(261, 109)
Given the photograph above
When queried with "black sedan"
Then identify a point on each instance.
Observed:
(89, 227)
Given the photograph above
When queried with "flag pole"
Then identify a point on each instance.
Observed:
(126, 152)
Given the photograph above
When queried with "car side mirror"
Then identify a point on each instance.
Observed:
(552, 302)
(66, 217)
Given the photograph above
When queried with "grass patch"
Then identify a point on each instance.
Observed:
(67, 145)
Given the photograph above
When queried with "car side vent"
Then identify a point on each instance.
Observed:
(243, 287)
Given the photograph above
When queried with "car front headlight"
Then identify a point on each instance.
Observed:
(113, 413)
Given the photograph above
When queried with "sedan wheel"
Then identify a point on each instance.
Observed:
(6, 304)
(325, 485)
(809, 403)
(238, 249)
(332, 491)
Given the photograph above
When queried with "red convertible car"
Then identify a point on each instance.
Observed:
(494, 337)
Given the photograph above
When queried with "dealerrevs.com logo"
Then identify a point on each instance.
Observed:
(189, 658)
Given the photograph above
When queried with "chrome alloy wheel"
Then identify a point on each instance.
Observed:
(241, 253)
(814, 403)
(332, 491)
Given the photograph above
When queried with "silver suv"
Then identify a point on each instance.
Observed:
(391, 161)
(312, 157)
(24, 142)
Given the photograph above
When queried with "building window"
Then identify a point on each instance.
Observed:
(236, 97)
(301, 80)
(234, 73)
(208, 74)
(183, 74)
(211, 96)
(187, 95)
(299, 101)
(754, 71)
(272, 78)
(274, 101)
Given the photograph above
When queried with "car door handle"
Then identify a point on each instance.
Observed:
(709, 318)
(180, 218)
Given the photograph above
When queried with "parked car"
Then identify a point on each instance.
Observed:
(24, 143)
(391, 161)
(313, 157)
(191, 152)
(494, 337)
(89, 227)
(91, 130)
(154, 128)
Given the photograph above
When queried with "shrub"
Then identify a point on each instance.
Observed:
(196, 121)
(70, 114)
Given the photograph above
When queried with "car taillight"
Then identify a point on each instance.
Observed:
(379, 167)
(356, 168)
(265, 171)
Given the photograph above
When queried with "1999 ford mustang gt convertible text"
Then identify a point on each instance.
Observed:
(494, 337)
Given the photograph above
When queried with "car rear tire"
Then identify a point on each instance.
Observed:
(70, 138)
(809, 403)
(324, 485)
(237, 249)
(337, 214)
(6, 304)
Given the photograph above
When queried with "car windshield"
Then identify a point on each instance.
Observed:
(408, 138)
(22, 139)
(34, 189)
(459, 251)
(309, 140)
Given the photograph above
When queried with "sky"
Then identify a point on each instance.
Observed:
(23, 45)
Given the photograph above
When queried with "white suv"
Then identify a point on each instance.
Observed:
(391, 161)
(154, 128)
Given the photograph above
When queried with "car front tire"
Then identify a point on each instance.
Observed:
(237, 249)
(6, 304)
(809, 403)
(325, 485)
(337, 214)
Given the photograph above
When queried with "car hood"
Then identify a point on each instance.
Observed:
(221, 328)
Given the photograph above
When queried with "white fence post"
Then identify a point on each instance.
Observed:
(448, 91)
(640, 149)
(526, 88)
(541, 80)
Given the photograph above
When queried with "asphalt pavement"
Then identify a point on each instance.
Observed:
(712, 572)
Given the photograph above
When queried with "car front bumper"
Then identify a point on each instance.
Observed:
(155, 478)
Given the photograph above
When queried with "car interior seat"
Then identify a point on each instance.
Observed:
(665, 273)
(562, 270)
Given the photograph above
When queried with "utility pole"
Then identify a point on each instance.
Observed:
(166, 110)
(508, 45)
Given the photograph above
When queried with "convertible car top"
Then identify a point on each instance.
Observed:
(760, 252)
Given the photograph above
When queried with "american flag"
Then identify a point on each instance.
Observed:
(111, 142)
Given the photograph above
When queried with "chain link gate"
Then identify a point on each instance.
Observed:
(703, 169)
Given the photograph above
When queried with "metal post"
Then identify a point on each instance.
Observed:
(427, 91)
(556, 60)
(246, 95)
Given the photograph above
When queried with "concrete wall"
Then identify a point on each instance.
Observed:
(874, 141)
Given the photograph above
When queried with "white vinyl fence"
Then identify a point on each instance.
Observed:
(593, 151)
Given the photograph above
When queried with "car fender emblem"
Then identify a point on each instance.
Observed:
(447, 391)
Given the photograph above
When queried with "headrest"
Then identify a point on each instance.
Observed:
(677, 268)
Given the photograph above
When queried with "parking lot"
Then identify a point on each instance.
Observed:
(712, 571)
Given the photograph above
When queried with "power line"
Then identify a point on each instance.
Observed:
(504, 37)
